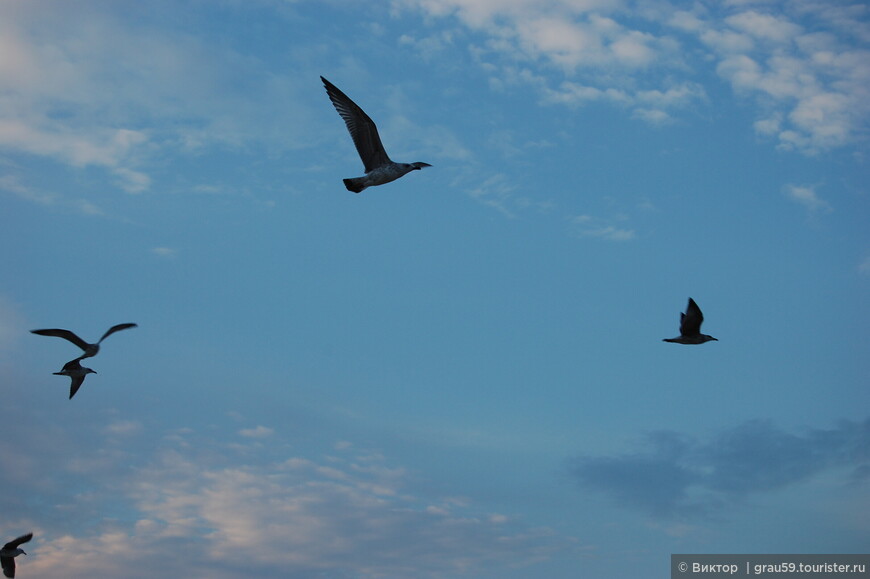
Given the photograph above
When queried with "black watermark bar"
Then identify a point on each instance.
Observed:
(770, 566)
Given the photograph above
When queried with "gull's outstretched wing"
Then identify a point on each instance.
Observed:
(362, 129)
(690, 322)
(74, 386)
(15, 543)
(116, 328)
(65, 334)
(8, 566)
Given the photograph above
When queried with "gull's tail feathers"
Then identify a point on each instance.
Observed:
(355, 185)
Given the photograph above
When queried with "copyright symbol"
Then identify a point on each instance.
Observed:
(683, 566)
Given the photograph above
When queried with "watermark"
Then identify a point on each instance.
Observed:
(768, 566)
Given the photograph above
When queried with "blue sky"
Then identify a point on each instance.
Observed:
(461, 373)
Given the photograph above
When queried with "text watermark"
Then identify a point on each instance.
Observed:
(780, 566)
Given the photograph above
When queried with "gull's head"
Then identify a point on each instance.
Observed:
(89, 371)
(419, 165)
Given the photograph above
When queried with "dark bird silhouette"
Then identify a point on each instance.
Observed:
(77, 374)
(690, 326)
(89, 349)
(11, 550)
(378, 166)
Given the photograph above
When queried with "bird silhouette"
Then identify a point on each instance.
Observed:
(690, 326)
(89, 349)
(77, 374)
(378, 166)
(11, 550)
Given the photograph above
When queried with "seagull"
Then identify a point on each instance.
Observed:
(89, 349)
(77, 373)
(690, 326)
(11, 550)
(379, 168)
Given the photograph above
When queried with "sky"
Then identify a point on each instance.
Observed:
(459, 374)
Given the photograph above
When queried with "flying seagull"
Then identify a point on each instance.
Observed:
(379, 168)
(690, 326)
(89, 349)
(11, 550)
(77, 373)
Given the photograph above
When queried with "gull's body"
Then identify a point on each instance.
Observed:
(77, 374)
(11, 550)
(690, 327)
(88, 349)
(378, 166)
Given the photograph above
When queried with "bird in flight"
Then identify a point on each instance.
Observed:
(11, 550)
(378, 166)
(77, 374)
(89, 349)
(690, 326)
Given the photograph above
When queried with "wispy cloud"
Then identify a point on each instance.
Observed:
(675, 475)
(164, 251)
(201, 507)
(806, 195)
(257, 432)
(805, 64)
(496, 191)
(123, 428)
(79, 86)
(588, 226)
(12, 325)
(13, 185)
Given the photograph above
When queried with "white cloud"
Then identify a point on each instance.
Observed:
(769, 126)
(497, 192)
(819, 102)
(12, 323)
(200, 514)
(797, 60)
(78, 84)
(764, 26)
(89, 208)
(806, 195)
(13, 184)
(652, 116)
(123, 428)
(165, 251)
(588, 226)
(651, 105)
(259, 432)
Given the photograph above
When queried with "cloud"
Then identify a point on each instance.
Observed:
(806, 195)
(810, 98)
(497, 191)
(12, 323)
(766, 27)
(588, 226)
(123, 428)
(164, 251)
(258, 432)
(803, 63)
(190, 503)
(13, 185)
(674, 475)
(92, 87)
